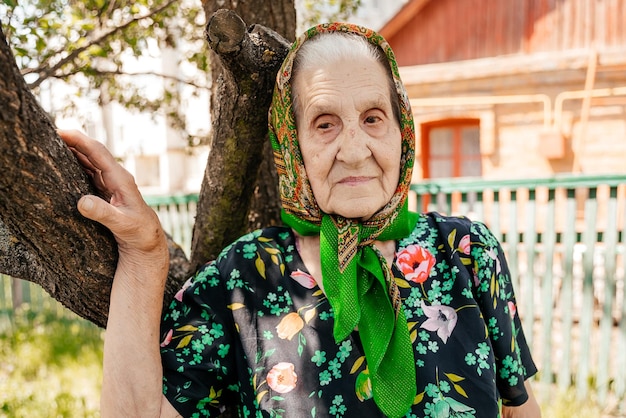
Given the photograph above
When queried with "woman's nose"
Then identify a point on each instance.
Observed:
(353, 146)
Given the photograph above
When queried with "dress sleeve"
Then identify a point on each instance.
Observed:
(197, 346)
(494, 293)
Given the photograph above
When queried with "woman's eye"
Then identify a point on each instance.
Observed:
(372, 119)
(325, 123)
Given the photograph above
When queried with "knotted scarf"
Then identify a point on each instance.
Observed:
(357, 280)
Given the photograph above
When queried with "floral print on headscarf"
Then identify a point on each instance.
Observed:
(295, 191)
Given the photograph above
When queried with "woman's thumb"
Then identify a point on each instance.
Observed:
(93, 208)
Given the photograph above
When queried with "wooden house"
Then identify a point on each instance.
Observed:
(514, 88)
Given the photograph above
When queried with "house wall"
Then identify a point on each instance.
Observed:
(528, 125)
(456, 30)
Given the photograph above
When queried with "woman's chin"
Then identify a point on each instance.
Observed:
(356, 206)
(356, 212)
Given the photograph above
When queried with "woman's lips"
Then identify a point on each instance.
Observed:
(354, 180)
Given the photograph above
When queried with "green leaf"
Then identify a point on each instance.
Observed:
(451, 238)
(458, 406)
(260, 266)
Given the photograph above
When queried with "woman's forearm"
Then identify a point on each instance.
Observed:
(529, 409)
(132, 384)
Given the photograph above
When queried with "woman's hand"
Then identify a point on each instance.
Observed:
(120, 206)
(132, 383)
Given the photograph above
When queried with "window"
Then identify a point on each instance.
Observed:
(451, 149)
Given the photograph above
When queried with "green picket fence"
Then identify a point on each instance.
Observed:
(565, 243)
(177, 214)
(565, 240)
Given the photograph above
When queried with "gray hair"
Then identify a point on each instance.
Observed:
(335, 46)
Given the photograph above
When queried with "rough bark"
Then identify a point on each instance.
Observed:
(249, 59)
(280, 15)
(43, 237)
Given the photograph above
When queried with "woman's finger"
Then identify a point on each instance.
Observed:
(94, 173)
(122, 209)
(98, 210)
(83, 160)
(96, 154)
(109, 177)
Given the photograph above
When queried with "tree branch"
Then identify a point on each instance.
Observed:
(45, 240)
(251, 58)
(124, 73)
(46, 71)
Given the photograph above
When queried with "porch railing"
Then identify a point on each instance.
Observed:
(177, 214)
(565, 241)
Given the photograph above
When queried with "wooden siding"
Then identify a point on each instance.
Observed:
(455, 30)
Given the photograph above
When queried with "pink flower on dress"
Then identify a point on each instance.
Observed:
(305, 279)
(465, 245)
(282, 378)
(512, 309)
(476, 278)
(168, 338)
(415, 263)
(179, 295)
(441, 318)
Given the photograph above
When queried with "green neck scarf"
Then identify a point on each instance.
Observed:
(357, 279)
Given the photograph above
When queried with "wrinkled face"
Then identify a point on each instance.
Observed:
(349, 138)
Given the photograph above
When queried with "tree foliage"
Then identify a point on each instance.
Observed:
(87, 45)
(313, 12)
(43, 239)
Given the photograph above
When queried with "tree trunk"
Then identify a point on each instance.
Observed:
(240, 185)
(44, 239)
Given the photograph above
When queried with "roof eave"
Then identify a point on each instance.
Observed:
(402, 18)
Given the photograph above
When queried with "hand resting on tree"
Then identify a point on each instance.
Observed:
(132, 383)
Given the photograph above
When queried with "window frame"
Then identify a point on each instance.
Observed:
(456, 124)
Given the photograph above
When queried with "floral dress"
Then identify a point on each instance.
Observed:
(253, 330)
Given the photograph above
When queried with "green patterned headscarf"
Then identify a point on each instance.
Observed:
(357, 280)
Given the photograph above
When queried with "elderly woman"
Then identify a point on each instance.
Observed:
(356, 307)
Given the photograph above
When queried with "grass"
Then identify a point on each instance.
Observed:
(49, 366)
(570, 405)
